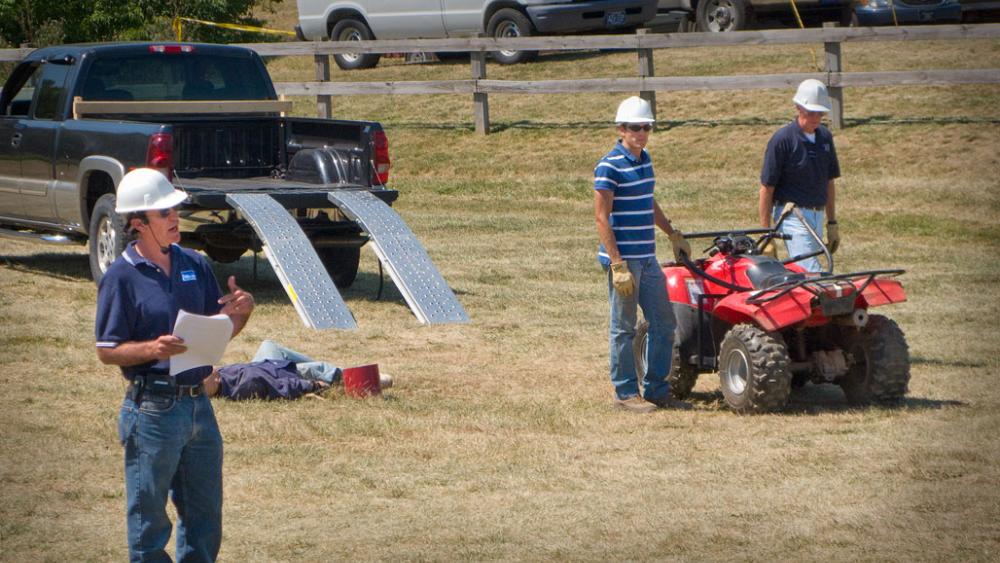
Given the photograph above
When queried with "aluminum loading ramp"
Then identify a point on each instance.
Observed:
(294, 261)
(408, 264)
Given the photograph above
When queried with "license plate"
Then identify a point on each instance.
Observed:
(614, 18)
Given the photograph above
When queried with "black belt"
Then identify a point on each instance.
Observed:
(162, 386)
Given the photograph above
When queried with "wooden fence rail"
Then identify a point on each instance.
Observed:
(645, 83)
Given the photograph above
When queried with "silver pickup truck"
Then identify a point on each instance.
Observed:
(356, 20)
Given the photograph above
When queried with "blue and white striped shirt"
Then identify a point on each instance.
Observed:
(632, 181)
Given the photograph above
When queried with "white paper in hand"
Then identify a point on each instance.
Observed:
(205, 338)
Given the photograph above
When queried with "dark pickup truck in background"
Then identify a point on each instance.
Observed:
(207, 116)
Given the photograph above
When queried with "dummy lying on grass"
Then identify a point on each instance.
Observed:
(276, 372)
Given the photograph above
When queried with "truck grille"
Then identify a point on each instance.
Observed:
(227, 150)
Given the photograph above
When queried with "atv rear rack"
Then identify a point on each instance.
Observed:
(786, 287)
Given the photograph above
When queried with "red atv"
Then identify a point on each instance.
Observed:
(766, 325)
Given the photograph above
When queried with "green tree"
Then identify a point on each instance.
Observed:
(46, 22)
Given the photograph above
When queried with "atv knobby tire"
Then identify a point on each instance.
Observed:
(682, 376)
(753, 370)
(880, 363)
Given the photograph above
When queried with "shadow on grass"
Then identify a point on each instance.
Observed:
(61, 266)
(501, 126)
(917, 360)
(267, 289)
(824, 399)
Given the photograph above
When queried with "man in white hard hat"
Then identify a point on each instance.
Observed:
(800, 167)
(166, 423)
(626, 215)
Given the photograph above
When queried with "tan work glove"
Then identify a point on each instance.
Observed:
(679, 244)
(621, 278)
(770, 249)
(832, 237)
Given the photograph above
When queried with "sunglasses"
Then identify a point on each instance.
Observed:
(635, 127)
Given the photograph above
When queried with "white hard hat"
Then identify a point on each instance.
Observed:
(812, 95)
(634, 110)
(146, 189)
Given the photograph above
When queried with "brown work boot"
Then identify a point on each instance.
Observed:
(669, 402)
(634, 404)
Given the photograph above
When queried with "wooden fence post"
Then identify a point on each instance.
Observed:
(324, 102)
(646, 70)
(834, 63)
(480, 100)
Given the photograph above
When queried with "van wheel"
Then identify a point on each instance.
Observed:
(722, 15)
(107, 236)
(353, 30)
(507, 23)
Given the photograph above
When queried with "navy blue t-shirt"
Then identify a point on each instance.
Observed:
(136, 302)
(799, 170)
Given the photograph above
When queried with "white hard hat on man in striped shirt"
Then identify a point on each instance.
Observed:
(634, 110)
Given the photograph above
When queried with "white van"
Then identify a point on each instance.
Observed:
(355, 20)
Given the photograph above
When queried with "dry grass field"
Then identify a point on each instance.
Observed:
(499, 441)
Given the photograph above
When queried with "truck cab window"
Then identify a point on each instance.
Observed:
(51, 90)
(18, 103)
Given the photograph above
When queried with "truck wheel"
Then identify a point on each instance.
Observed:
(506, 23)
(341, 264)
(722, 15)
(224, 254)
(353, 30)
(682, 376)
(753, 370)
(880, 366)
(107, 236)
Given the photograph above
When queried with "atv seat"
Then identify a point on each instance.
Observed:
(767, 271)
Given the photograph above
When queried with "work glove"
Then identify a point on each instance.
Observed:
(680, 245)
(621, 278)
(832, 237)
(770, 249)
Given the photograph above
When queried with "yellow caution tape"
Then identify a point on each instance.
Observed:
(233, 26)
(798, 18)
(291, 293)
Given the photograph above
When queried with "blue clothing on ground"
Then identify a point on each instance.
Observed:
(798, 169)
(651, 295)
(632, 181)
(265, 379)
(172, 446)
(306, 366)
(136, 302)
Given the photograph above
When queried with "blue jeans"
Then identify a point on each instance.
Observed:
(306, 366)
(802, 242)
(651, 295)
(172, 445)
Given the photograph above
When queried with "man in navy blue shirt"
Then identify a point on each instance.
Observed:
(800, 166)
(627, 216)
(166, 423)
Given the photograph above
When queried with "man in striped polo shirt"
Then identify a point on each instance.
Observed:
(626, 216)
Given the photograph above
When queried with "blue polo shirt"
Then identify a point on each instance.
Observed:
(137, 301)
(632, 181)
(798, 169)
